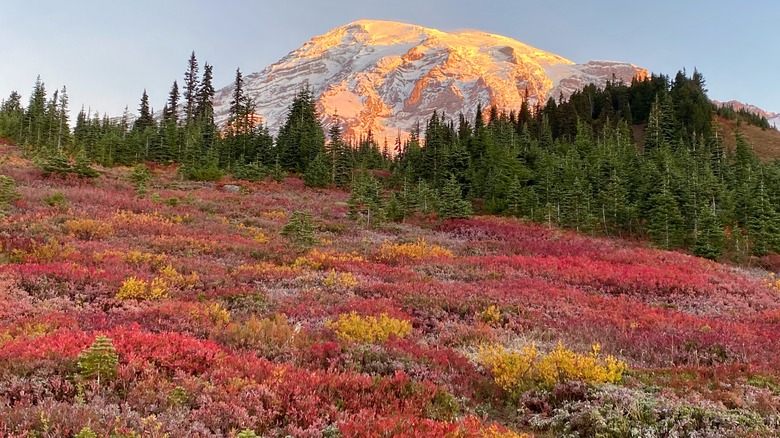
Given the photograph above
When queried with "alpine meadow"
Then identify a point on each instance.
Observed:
(393, 231)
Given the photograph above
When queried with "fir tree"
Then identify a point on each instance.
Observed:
(301, 137)
(665, 223)
(99, 361)
(318, 173)
(190, 89)
(145, 118)
(171, 111)
(710, 239)
(451, 203)
(365, 202)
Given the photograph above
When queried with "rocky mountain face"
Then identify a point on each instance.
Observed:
(387, 76)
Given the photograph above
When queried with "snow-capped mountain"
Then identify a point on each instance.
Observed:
(773, 118)
(387, 76)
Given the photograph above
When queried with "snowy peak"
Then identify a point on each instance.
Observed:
(386, 76)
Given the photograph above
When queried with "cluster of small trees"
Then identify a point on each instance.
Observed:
(570, 163)
(576, 164)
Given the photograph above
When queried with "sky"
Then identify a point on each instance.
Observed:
(108, 52)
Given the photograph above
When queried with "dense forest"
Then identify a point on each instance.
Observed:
(643, 160)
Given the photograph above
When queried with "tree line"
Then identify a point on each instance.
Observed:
(643, 159)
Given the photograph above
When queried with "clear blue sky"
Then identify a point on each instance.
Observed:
(107, 52)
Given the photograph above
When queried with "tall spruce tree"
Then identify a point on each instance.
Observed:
(190, 89)
(301, 137)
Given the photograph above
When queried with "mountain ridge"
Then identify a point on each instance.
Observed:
(386, 76)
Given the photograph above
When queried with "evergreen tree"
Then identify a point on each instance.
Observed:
(300, 229)
(318, 174)
(190, 89)
(171, 111)
(99, 361)
(451, 203)
(8, 194)
(664, 222)
(710, 239)
(365, 202)
(82, 167)
(301, 137)
(145, 118)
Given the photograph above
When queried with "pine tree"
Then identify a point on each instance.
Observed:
(8, 194)
(300, 229)
(301, 137)
(190, 89)
(365, 202)
(82, 167)
(63, 129)
(145, 118)
(99, 361)
(318, 173)
(34, 116)
(204, 98)
(710, 240)
(665, 223)
(171, 111)
(451, 203)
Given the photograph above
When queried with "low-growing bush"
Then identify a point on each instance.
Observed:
(412, 251)
(516, 371)
(89, 229)
(268, 336)
(351, 327)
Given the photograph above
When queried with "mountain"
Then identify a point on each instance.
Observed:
(387, 76)
(773, 118)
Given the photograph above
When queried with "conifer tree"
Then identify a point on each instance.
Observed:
(318, 174)
(451, 203)
(190, 89)
(665, 223)
(301, 137)
(171, 112)
(710, 239)
(145, 118)
(365, 202)
(99, 361)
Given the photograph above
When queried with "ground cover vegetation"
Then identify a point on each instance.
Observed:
(172, 279)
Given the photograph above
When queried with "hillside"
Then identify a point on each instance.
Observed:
(766, 143)
(221, 317)
(387, 76)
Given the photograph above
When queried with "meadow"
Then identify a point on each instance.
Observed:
(196, 309)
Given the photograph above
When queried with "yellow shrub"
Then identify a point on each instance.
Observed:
(256, 233)
(317, 259)
(518, 370)
(494, 431)
(340, 280)
(89, 229)
(491, 315)
(415, 251)
(51, 251)
(170, 277)
(268, 335)
(133, 257)
(269, 271)
(214, 312)
(275, 215)
(351, 327)
(139, 289)
(773, 282)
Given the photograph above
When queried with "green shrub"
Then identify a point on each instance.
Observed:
(8, 193)
(99, 361)
(300, 229)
